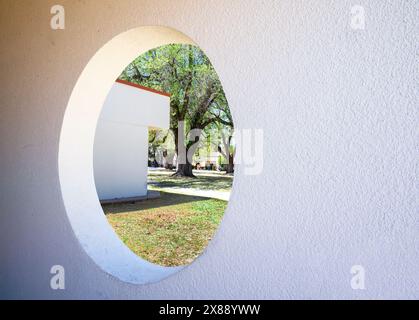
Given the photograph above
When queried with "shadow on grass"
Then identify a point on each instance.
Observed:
(166, 199)
(200, 182)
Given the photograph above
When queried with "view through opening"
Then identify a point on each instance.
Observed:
(163, 154)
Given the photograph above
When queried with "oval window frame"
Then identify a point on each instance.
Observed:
(75, 158)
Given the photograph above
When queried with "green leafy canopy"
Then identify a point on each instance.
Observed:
(185, 72)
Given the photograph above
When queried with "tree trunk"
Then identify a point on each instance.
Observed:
(230, 165)
(184, 170)
(184, 167)
(230, 168)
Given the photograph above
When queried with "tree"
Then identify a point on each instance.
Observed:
(197, 98)
(224, 143)
(156, 138)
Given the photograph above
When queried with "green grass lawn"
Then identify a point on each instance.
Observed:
(171, 230)
(204, 181)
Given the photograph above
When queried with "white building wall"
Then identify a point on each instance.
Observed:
(121, 140)
(120, 160)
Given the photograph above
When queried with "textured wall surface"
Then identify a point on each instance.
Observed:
(339, 112)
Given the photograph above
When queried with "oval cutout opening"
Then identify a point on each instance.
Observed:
(76, 155)
(163, 154)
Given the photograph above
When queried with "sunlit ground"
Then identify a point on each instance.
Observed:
(175, 228)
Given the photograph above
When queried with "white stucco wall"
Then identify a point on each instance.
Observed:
(339, 113)
(120, 160)
(121, 140)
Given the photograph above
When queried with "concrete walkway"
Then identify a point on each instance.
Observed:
(191, 191)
